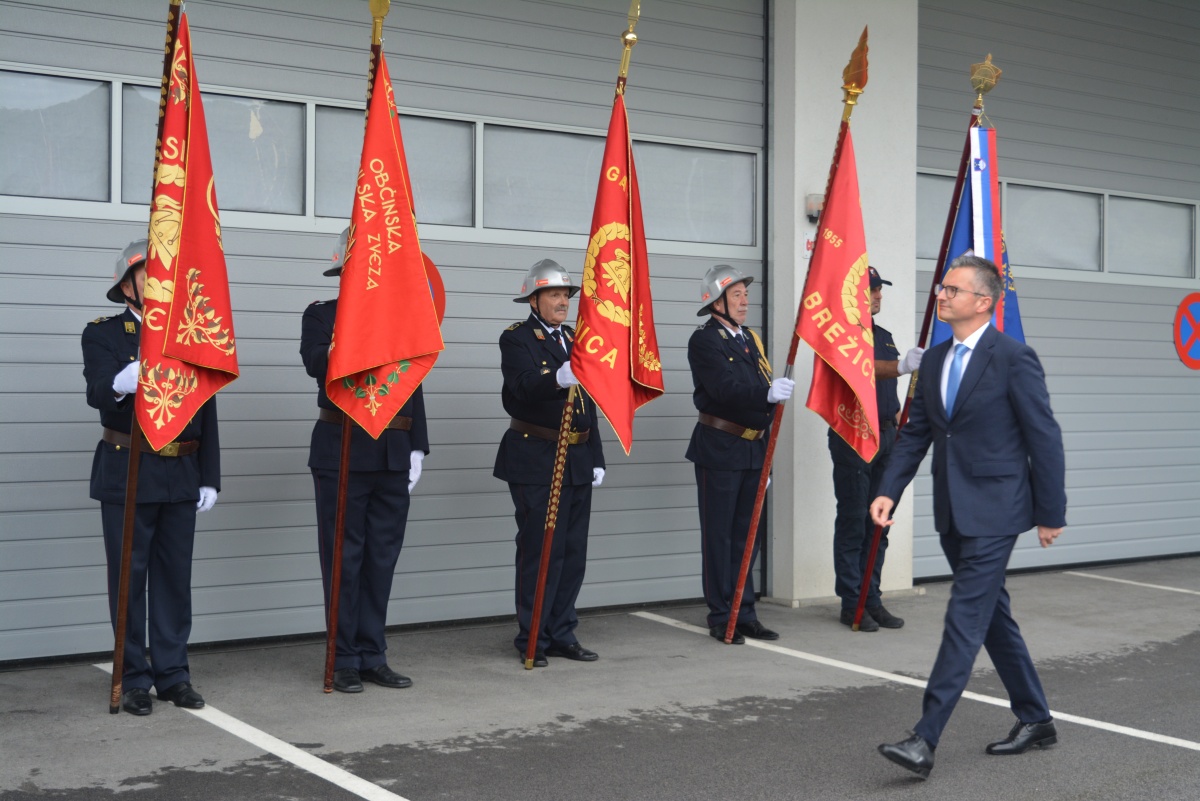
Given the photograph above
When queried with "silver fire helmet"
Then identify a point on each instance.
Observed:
(715, 282)
(546, 274)
(339, 254)
(133, 256)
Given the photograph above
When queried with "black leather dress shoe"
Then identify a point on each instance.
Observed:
(182, 694)
(347, 680)
(884, 618)
(756, 630)
(539, 658)
(384, 676)
(866, 624)
(913, 754)
(718, 633)
(573, 651)
(137, 701)
(1025, 736)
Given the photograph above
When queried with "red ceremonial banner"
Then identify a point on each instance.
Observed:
(615, 356)
(386, 336)
(188, 350)
(836, 316)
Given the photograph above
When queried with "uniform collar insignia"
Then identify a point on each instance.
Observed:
(130, 327)
(539, 333)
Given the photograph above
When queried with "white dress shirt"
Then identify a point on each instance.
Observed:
(971, 341)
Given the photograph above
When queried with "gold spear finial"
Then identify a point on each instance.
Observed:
(379, 10)
(628, 39)
(854, 76)
(984, 77)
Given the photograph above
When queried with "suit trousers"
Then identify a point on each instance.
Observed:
(373, 533)
(979, 615)
(855, 485)
(568, 560)
(726, 505)
(163, 534)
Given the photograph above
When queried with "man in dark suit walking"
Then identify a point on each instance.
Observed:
(535, 359)
(998, 470)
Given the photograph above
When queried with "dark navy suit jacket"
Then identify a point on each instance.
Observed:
(998, 463)
(392, 451)
(531, 394)
(108, 347)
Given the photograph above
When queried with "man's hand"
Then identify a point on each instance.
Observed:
(597, 476)
(208, 498)
(126, 381)
(565, 377)
(881, 511)
(1047, 535)
(780, 390)
(415, 460)
(911, 361)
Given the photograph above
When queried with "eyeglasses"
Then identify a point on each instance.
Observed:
(951, 291)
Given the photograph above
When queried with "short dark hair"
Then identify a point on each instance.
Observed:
(987, 275)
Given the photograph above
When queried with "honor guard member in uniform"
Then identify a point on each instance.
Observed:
(736, 397)
(174, 483)
(382, 474)
(535, 359)
(856, 483)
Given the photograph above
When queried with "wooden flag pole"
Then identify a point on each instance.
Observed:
(136, 437)
(379, 10)
(854, 80)
(983, 79)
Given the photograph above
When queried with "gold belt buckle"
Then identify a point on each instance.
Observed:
(573, 438)
(750, 434)
(170, 449)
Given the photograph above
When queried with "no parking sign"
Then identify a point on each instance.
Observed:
(1187, 331)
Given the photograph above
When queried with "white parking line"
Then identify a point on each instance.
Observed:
(1127, 581)
(898, 679)
(288, 752)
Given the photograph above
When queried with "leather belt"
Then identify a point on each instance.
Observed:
(541, 432)
(121, 440)
(884, 425)
(335, 416)
(730, 428)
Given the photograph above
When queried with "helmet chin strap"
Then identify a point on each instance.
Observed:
(538, 314)
(712, 309)
(136, 300)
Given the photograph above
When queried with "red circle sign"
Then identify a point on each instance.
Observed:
(1187, 331)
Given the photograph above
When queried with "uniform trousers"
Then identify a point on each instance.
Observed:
(855, 485)
(726, 499)
(979, 615)
(377, 504)
(568, 560)
(163, 534)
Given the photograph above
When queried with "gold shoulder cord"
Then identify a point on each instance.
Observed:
(764, 366)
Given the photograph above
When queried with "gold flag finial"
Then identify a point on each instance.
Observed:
(854, 76)
(628, 39)
(984, 77)
(379, 10)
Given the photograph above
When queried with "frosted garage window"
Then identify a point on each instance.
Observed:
(539, 180)
(695, 194)
(1148, 237)
(934, 193)
(440, 155)
(1052, 228)
(55, 134)
(257, 149)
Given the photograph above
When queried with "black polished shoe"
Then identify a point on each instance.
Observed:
(866, 624)
(347, 680)
(1025, 736)
(137, 702)
(539, 658)
(573, 651)
(884, 618)
(756, 631)
(384, 676)
(913, 754)
(718, 633)
(182, 694)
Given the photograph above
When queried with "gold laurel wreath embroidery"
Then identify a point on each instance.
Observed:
(165, 390)
(179, 75)
(647, 357)
(166, 223)
(371, 390)
(200, 321)
(850, 298)
(618, 273)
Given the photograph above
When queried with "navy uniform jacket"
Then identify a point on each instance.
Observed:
(999, 460)
(532, 395)
(886, 388)
(393, 449)
(108, 346)
(730, 384)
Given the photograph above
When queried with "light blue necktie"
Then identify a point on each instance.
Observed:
(955, 377)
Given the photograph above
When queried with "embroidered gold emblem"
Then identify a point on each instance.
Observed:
(855, 418)
(850, 298)
(646, 356)
(371, 390)
(618, 273)
(200, 321)
(165, 390)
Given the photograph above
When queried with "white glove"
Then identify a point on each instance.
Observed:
(565, 377)
(415, 459)
(208, 498)
(911, 360)
(781, 389)
(126, 382)
(768, 483)
(597, 476)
